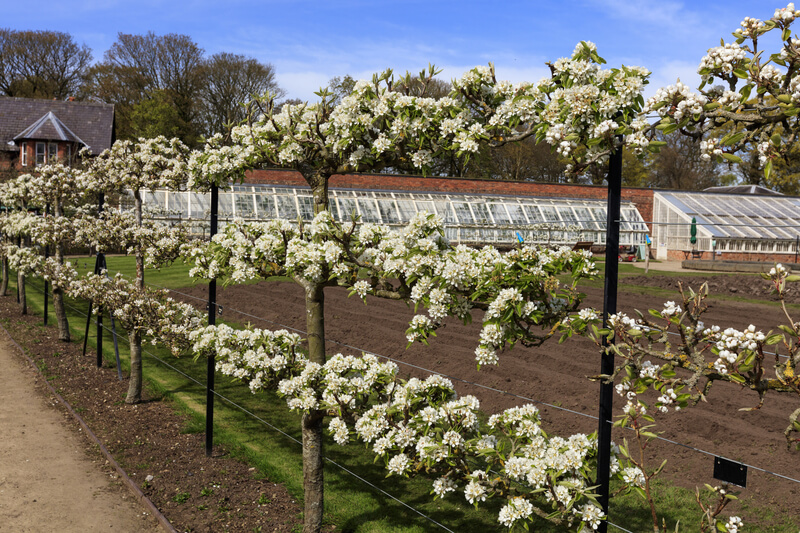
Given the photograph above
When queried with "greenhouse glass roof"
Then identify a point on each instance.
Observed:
(723, 216)
(469, 218)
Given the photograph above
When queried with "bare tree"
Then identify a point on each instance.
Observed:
(41, 64)
(679, 165)
(138, 68)
(526, 160)
(230, 82)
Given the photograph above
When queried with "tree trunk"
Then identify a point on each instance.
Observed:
(61, 314)
(4, 283)
(23, 302)
(313, 472)
(135, 381)
(58, 294)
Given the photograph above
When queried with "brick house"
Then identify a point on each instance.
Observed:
(36, 132)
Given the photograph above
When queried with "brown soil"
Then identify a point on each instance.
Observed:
(738, 285)
(194, 492)
(557, 374)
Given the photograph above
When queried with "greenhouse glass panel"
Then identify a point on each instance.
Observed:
(726, 225)
(444, 210)
(306, 204)
(388, 211)
(567, 215)
(347, 209)
(463, 213)
(425, 206)
(159, 198)
(369, 210)
(534, 216)
(585, 218)
(499, 213)
(200, 204)
(286, 207)
(177, 203)
(226, 205)
(265, 206)
(469, 235)
(550, 214)
(244, 205)
(517, 214)
(481, 213)
(600, 215)
(407, 210)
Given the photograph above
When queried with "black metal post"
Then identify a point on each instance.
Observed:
(101, 265)
(89, 311)
(609, 308)
(19, 245)
(212, 319)
(46, 255)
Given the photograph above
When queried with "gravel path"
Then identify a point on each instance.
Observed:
(77, 491)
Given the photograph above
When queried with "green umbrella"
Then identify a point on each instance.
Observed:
(693, 231)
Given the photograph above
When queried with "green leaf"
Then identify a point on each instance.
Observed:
(737, 378)
(733, 138)
(745, 91)
(768, 169)
(740, 73)
(773, 339)
(792, 277)
(732, 158)
(787, 329)
(785, 98)
(670, 128)
(787, 34)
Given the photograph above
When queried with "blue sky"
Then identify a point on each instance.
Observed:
(310, 41)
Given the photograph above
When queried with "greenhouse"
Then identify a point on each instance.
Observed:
(728, 226)
(469, 218)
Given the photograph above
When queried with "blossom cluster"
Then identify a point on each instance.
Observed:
(446, 281)
(418, 423)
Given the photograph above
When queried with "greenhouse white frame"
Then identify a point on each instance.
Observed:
(469, 218)
(727, 223)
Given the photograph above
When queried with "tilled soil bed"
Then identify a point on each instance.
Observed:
(196, 493)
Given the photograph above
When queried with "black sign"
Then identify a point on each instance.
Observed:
(730, 472)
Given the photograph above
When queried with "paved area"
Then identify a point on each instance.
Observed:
(48, 482)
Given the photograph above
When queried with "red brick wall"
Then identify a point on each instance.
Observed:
(786, 258)
(642, 198)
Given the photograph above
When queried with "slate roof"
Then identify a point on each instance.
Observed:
(744, 189)
(87, 122)
(51, 128)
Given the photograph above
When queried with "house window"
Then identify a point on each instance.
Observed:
(23, 156)
(52, 153)
(40, 154)
(68, 155)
